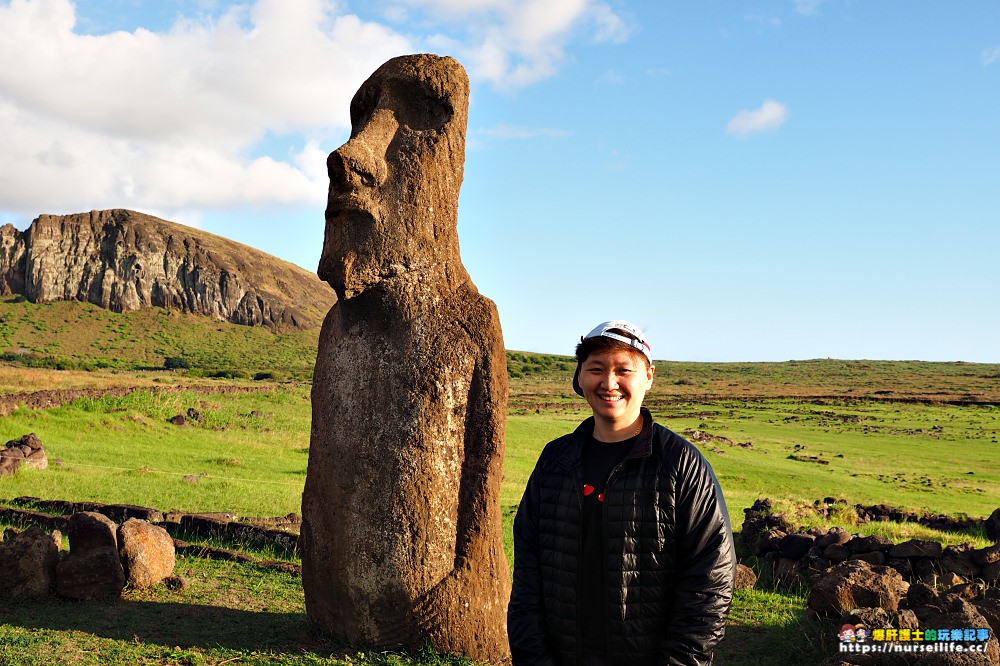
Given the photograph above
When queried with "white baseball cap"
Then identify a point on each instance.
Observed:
(637, 341)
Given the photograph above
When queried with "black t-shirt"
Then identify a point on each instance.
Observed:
(599, 459)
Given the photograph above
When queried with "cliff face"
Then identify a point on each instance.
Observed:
(125, 261)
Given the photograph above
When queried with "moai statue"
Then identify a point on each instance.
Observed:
(401, 536)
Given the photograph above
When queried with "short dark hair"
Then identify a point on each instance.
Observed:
(602, 343)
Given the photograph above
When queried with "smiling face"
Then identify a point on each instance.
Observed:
(614, 382)
(393, 198)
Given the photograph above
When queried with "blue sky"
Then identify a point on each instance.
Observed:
(746, 181)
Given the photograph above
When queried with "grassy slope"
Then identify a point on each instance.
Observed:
(70, 334)
(249, 456)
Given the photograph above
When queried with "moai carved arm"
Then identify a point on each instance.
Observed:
(478, 587)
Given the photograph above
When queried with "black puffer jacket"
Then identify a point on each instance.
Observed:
(670, 557)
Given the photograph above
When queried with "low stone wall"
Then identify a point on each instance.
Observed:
(280, 533)
(103, 557)
(792, 555)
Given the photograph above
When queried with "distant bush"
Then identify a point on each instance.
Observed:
(229, 374)
(272, 375)
(176, 363)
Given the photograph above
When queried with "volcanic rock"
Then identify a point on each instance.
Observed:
(93, 568)
(124, 261)
(855, 584)
(146, 551)
(26, 451)
(28, 563)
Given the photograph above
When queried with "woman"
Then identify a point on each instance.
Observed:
(623, 550)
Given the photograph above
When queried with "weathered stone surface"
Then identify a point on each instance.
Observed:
(986, 556)
(916, 548)
(28, 564)
(836, 552)
(146, 551)
(760, 520)
(869, 544)
(93, 568)
(125, 261)
(871, 557)
(745, 577)
(24, 452)
(836, 535)
(958, 560)
(855, 584)
(795, 545)
(401, 534)
(959, 614)
(990, 610)
(921, 594)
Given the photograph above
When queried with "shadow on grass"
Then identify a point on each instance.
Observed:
(175, 624)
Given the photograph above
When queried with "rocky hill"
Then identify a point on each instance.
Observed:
(126, 261)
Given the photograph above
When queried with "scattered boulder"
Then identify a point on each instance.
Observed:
(175, 583)
(26, 451)
(746, 579)
(146, 551)
(28, 563)
(855, 584)
(93, 568)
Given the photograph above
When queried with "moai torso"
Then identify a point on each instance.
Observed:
(401, 539)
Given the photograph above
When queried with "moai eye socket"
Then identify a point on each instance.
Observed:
(421, 108)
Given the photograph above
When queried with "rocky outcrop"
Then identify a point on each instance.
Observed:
(126, 261)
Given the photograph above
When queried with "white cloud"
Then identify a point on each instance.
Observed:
(173, 120)
(769, 116)
(991, 56)
(168, 120)
(513, 43)
(807, 7)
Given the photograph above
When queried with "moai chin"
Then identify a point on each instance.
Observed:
(401, 536)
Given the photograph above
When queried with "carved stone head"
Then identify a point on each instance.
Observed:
(392, 208)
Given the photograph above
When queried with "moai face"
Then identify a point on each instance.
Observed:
(393, 199)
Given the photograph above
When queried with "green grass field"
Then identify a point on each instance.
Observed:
(921, 436)
(248, 453)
